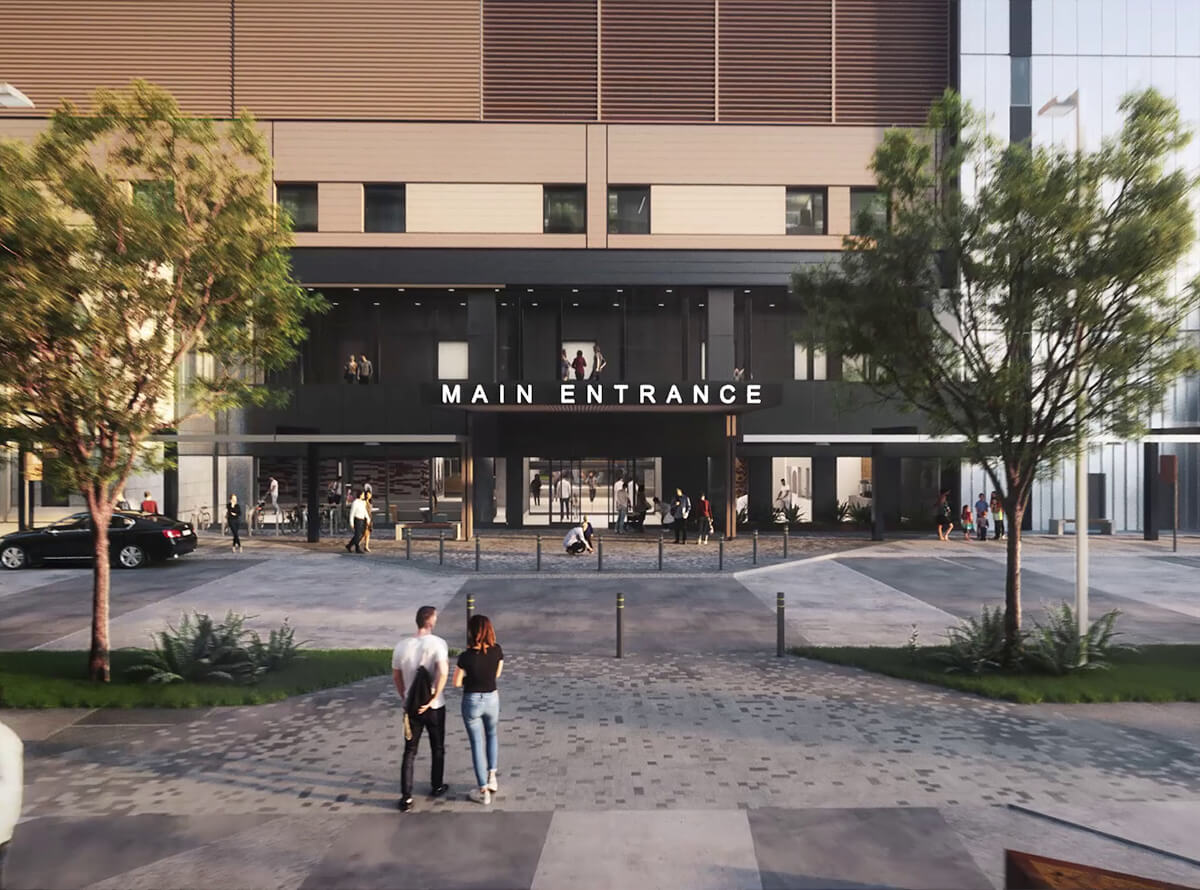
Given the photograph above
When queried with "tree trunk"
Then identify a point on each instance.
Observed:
(98, 662)
(1014, 513)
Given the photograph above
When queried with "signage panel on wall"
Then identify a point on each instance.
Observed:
(704, 395)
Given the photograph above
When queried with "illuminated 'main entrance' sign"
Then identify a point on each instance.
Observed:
(612, 394)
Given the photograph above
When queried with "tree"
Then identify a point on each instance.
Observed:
(130, 237)
(1032, 312)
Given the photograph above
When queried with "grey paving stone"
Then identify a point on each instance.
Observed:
(838, 848)
(451, 851)
(141, 716)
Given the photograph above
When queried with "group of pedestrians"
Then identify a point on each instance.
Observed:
(358, 369)
(361, 522)
(420, 671)
(578, 366)
(974, 522)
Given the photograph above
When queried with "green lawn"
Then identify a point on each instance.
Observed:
(55, 680)
(1152, 673)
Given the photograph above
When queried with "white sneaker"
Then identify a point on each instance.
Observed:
(492, 785)
(481, 795)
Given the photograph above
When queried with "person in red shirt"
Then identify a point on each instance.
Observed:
(580, 365)
(149, 505)
(706, 518)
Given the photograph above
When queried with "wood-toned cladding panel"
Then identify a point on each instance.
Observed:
(892, 60)
(539, 59)
(776, 60)
(65, 49)
(717, 209)
(477, 207)
(658, 60)
(370, 59)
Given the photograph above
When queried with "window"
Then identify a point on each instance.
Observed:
(1020, 80)
(452, 360)
(383, 208)
(629, 210)
(300, 202)
(805, 211)
(800, 362)
(564, 209)
(870, 202)
(819, 365)
(154, 194)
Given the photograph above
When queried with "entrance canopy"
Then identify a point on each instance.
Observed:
(597, 396)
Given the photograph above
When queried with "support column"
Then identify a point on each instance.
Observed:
(720, 355)
(170, 504)
(468, 476)
(1150, 491)
(515, 483)
(484, 479)
(481, 336)
(731, 437)
(761, 500)
(824, 489)
(22, 523)
(876, 493)
(312, 493)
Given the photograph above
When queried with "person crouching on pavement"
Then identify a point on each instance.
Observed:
(576, 541)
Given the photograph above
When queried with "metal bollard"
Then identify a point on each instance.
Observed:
(599, 554)
(779, 624)
(660, 543)
(470, 614)
(408, 543)
(785, 541)
(754, 551)
(477, 553)
(441, 547)
(620, 625)
(539, 553)
(721, 554)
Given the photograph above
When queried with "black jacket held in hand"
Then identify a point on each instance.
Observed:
(420, 691)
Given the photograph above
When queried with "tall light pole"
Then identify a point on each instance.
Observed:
(11, 97)
(1056, 108)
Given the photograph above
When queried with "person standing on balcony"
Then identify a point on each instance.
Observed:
(365, 370)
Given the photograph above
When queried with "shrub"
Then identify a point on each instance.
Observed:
(280, 649)
(1056, 646)
(976, 645)
(203, 651)
(860, 514)
(791, 515)
(842, 514)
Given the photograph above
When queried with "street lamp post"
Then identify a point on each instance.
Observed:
(11, 97)
(1056, 108)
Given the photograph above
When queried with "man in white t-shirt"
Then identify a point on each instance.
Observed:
(425, 650)
(564, 497)
(12, 780)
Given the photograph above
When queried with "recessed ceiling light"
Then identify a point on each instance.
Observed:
(700, 305)
(616, 305)
(529, 290)
(337, 304)
(418, 303)
(576, 305)
(356, 290)
(376, 303)
(503, 304)
(746, 291)
(534, 305)
(310, 288)
(770, 305)
(661, 305)
(462, 304)
(400, 289)
(670, 291)
(620, 290)
(574, 290)
(452, 290)
(497, 290)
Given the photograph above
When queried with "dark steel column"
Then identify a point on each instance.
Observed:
(22, 524)
(1150, 491)
(312, 475)
(876, 493)
(720, 347)
(731, 438)
(170, 504)
(824, 489)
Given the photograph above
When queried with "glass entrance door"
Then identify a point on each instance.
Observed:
(562, 492)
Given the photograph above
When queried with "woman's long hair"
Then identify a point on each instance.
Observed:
(481, 633)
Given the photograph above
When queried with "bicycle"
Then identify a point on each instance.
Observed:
(201, 518)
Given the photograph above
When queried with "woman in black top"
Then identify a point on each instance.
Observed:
(478, 669)
(233, 516)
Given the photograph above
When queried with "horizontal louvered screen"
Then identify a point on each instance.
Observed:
(539, 59)
(65, 49)
(372, 59)
(892, 60)
(658, 59)
(776, 60)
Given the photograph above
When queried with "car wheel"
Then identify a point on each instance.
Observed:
(14, 557)
(131, 556)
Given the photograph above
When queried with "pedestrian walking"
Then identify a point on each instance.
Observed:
(535, 489)
(598, 362)
(564, 497)
(358, 520)
(368, 497)
(783, 500)
(564, 366)
(365, 370)
(981, 509)
(273, 496)
(350, 370)
(706, 518)
(149, 505)
(591, 484)
(579, 363)
(997, 508)
(233, 516)
(420, 668)
(621, 498)
(968, 522)
(681, 508)
(943, 515)
(478, 669)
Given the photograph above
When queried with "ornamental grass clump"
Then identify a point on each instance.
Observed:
(976, 645)
(1057, 648)
(200, 650)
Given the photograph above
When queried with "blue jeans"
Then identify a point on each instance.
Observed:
(481, 714)
(622, 512)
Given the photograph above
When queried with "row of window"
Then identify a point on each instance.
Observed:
(564, 208)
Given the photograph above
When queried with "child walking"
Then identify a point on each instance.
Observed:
(968, 522)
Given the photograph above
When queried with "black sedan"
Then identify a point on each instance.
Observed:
(134, 539)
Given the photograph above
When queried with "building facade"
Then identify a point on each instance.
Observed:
(482, 186)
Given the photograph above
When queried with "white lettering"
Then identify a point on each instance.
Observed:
(595, 395)
(728, 394)
(646, 394)
(673, 393)
(451, 394)
(524, 394)
(479, 397)
(754, 394)
(700, 394)
(566, 394)
(502, 402)
(620, 388)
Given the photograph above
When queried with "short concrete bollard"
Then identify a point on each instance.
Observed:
(599, 554)
(441, 548)
(477, 553)
(660, 543)
(408, 543)
(620, 625)
(785, 542)
(779, 625)
(754, 551)
(539, 553)
(721, 554)
(470, 615)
